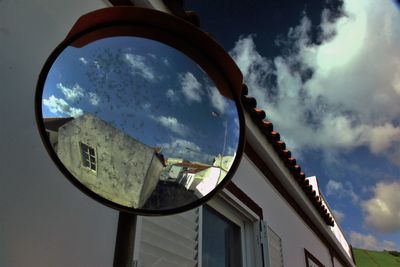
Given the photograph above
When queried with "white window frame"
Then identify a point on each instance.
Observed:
(84, 159)
(228, 205)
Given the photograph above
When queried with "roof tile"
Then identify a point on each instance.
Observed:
(266, 127)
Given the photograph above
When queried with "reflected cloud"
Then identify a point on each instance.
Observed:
(181, 148)
(191, 87)
(166, 61)
(139, 66)
(172, 124)
(58, 106)
(217, 100)
(171, 95)
(83, 60)
(73, 93)
(94, 99)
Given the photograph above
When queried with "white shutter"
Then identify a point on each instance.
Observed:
(275, 249)
(170, 241)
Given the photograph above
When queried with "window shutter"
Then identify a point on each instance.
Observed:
(275, 249)
(263, 242)
(170, 241)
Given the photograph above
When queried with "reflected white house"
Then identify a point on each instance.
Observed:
(197, 177)
(106, 160)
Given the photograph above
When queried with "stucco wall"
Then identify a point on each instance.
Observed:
(126, 172)
(152, 178)
(281, 217)
(44, 219)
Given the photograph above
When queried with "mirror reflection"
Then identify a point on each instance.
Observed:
(139, 123)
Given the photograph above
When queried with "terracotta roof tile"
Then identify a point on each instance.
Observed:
(266, 127)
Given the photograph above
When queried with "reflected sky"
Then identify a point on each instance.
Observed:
(148, 90)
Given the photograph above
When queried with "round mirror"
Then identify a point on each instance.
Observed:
(135, 122)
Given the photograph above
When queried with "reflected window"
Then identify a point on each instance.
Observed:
(221, 240)
(88, 156)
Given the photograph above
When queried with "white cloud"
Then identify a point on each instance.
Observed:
(73, 93)
(171, 95)
(383, 209)
(94, 99)
(172, 124)
(166, 61)
(76, 93)
(359, 240)
(339, 216)
(146, 105)
(217, 100)
(351, 100)
(139, 66)
(389, 245)
(83, 60)
(191, 87)
(58, 106)
(181, 148)
(152, 55)
(368, 241)
(340, 190)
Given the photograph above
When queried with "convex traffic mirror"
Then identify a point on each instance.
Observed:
(141, 111)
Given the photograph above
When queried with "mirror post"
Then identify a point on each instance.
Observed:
(125, 240)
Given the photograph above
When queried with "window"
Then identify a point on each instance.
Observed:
(222, 245)
(88, 156)
(225, 232)
(311, 260)
(229, 233)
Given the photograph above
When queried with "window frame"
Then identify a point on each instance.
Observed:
(229, 206)
(310, 258)
(88, 168)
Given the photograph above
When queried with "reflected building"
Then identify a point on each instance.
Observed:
(197, 177)
(106, 160)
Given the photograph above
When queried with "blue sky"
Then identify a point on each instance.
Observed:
(327, 73)
(148, 90)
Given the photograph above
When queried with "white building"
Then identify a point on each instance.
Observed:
(268, 212)
(124, 171)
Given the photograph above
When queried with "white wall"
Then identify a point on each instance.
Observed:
(44, 219)
(281, 217)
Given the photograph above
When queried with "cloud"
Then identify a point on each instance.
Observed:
(217, 100)
(146, 105)
(83, 60)
(336, 95)
(369, 242)
(340, 190)
(383, 209)
(94, 99)
(73, 93)
(181, 148)
(139, 66)
(76, 93)
(58, 106)
(172, 124)
(171, 95)
(359, 240)
(166, 61)
(191, 87)
(390, 246)
(339, 216)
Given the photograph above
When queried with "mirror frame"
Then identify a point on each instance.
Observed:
(169, 30)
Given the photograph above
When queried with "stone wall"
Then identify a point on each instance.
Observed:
(126, 171)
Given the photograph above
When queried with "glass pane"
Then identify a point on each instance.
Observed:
(163, 132)
(93, 166)
(221, 241)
